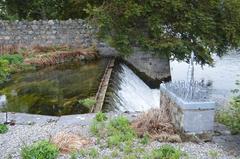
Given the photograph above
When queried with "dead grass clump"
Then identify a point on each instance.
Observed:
(45, 49)
(157, 124)
(69, 142)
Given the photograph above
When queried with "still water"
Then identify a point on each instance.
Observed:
(221, 78)
(54, 90)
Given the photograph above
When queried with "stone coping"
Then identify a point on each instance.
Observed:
(83, 119)
(185, 105)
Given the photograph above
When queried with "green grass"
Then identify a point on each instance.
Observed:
(40, 150)
(3, 129)
(12, 58)
(231, 115)
(115, 131)
(213, 154)
(166, 152)
(88, 153)
(120, 136)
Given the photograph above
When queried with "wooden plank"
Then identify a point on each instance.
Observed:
(102, 89)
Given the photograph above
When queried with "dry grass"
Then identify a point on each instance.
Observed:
(53, 58)
(157, 123)
(69, 142)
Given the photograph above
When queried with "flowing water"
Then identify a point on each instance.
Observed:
(127, 92)
(54, 90)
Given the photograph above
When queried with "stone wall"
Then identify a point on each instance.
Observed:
(76, 33)
(53, 32)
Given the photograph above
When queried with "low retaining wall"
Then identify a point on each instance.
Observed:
(15, 35)
(190, 117)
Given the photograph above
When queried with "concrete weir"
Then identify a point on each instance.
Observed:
(102, 89)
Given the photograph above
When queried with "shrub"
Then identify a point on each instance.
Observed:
(3, 128)
(40, 150)
(231, 116)
(88, 102)
(12, 58)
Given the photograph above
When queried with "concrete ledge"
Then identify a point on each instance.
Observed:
(190, 117)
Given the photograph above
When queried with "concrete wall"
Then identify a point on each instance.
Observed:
(190, 117)
(157, 68)
(77, 33)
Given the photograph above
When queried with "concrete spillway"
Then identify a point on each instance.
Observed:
(127, 92)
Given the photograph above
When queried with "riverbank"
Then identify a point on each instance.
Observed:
(31, 128)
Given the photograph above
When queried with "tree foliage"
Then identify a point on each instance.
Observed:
(44, 9)
(171, 27)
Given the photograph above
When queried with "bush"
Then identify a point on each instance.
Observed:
(231, 116)
(40, 150)
(12, 58)
(3, 128)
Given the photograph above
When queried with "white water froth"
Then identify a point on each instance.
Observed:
(133, 94)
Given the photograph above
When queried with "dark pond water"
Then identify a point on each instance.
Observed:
(53, 90)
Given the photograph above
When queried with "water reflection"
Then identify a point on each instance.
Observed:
(53, 90)
(221, 78)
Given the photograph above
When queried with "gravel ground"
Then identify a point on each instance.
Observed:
(22, 134)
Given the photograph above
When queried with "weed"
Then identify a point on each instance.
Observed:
(101, 117)
(93, 153)
(40, 150)
(4, 70)
(213, 154)
(114, 140)
(145, 140)
(114, 154)
(130, 156)
(74, 155)
(3, 129)
(88, 102)
(82, 153)
(128, 148)
(120, 126)
(98, 125)
(167, 152)
(231, 116)
(106, 157)
(12, 58)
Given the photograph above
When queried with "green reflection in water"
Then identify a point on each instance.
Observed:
(54, 90)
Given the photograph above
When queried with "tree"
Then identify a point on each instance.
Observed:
(170, 27)
(45, 9)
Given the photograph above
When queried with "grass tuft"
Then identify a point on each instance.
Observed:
(40, 150)
(3, 128)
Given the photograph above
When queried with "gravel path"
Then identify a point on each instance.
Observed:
(22, 134)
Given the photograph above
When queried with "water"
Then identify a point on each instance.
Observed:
(220, 79)
(127, 92)
(54, 90)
